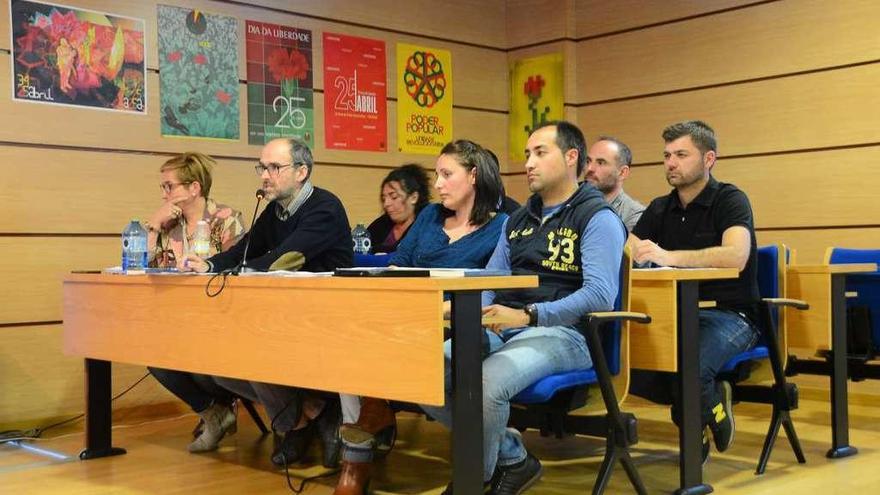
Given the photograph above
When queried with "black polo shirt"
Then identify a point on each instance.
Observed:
(718, 207)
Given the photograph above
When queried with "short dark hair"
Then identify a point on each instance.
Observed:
(569, 137)
(301, 154)
(488, 187)
(701, 134)
(624, 154)
(412, 179)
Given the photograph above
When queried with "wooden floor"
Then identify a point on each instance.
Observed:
(157, 461)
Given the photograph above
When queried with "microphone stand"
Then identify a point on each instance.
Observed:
(243, 265)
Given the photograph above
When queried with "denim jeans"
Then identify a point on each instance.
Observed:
(517, 358)
(283, 404)
(723, 335)
(197, 390)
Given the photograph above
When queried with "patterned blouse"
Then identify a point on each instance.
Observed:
(226, 229)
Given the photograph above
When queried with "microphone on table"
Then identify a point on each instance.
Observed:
(241, 266)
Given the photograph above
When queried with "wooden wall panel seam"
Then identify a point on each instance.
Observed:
(736, 82)
(641, 27)
(361, 25)
(793, 151)
(817, 227)
(19, 324)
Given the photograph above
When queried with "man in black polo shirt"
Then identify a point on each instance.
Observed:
(705, 223)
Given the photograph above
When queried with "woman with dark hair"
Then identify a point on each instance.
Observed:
(404, 192)
(459, 232)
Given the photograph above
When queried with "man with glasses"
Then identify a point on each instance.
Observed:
(302, 228)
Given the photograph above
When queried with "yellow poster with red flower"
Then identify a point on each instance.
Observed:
(279, 73)
(424, 99)
(536, 97)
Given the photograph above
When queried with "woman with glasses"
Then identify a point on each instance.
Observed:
(404, 192)
(185, 185)
(459, 232)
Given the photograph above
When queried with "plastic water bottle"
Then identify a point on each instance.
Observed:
(201, 243)
(134, 247)
(360, 236)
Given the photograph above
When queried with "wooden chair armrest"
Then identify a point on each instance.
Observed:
(782, 301)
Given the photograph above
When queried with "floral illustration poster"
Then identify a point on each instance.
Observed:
(198, 73)
(424, 99)
(68, 56)
(355, 91)
(279, 83)
(535, 98)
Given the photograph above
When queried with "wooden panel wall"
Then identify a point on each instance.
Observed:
(71, 178)
(796, 111)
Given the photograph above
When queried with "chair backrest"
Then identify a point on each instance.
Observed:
(772, 262)
(866, 286)
(611, 336)
(836, 255)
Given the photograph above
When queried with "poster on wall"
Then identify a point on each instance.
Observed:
(279, 83)
(198, 73)
(536, 97)
(355, 92)
(69, 56)
(424, 99)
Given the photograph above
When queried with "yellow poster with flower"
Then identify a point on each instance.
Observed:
(536, 97)
(424, 99)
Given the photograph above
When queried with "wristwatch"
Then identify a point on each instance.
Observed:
(532, 311)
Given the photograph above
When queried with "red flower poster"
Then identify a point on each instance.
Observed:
(279, 75)
(355, 90)
(70, 56)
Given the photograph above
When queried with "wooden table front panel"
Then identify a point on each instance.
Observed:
(373, 342)
(653, 346)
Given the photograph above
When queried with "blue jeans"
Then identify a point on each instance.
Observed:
(197, 390)
(723, 335)
(517, 358)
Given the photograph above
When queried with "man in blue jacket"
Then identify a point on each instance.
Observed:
(568, 236)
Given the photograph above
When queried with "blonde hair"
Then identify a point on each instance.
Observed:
(192, 167)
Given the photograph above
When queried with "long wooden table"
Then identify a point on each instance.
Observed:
(823, 328)
(671, 342)
(378, 337)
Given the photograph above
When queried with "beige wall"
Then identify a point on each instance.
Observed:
(789, 86)
(71, 178)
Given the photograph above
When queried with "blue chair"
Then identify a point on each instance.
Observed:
(546, 403)
(783, 396)
(866, 287)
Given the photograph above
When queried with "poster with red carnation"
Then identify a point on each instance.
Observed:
(279, 83)
(355, 90)
(70, 56)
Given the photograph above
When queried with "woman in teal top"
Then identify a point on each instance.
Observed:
(459, 232)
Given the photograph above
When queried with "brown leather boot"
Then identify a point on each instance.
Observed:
(354, 479)
(376, 415)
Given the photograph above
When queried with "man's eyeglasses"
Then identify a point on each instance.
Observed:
(167, 187)
(272, 168)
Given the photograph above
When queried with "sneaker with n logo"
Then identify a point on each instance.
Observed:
(722, 423)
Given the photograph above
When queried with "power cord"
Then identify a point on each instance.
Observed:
(34, 433)
(298, 399)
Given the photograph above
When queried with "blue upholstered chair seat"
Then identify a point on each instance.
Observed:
(544, 389)
(758, 352)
